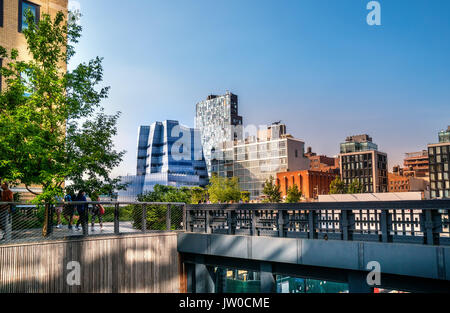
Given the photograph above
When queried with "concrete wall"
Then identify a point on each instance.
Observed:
(133, 263)
(429, 262)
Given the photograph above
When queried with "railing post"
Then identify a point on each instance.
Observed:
(168, 218)
(208, 222)
(116, 219)
(384, 225)
(281, 222)
(254, 223)
(187, 220)
(311, 233)
(85, 221)
(183, 207)
(344, 225)
(144, 218)
(231, 221)
(433, 222)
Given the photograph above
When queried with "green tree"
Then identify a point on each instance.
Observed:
(223, 190)
(293, 194)
(272, 191)
(245, 196)
(52, 128)
(355, 187)
(156, 214)
(337, 187)
(198, 195)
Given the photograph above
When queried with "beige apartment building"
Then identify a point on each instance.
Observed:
(12, 21)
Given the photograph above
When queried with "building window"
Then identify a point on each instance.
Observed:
(1, 13)
(1, 64)
(24, 6)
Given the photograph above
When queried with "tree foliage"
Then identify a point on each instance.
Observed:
(272, 191)
(198, 195)
(337, 187)
(52, 128)
(355, 187)
(294, 194)
(223, 190)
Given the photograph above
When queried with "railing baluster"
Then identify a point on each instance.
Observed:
(144, 218)
(254, 221)
(168, 218)
(384, 225)
(344, 224)
(208, 222)
(311, 233)
(116, 219)
(281, 221)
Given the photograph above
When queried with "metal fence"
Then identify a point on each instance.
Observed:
(420, 222)
(21, 222)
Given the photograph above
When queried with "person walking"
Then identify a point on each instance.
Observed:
(97, 212)
(69, 209)
(59, 210)
(5, 212)
(82, 210)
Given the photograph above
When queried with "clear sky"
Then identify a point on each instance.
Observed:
(314, 64)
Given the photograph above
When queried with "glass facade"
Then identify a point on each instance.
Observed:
(444, 136)
(168, 154)
(218, 121)
(254, 162)
(243, 281)
(349, 147)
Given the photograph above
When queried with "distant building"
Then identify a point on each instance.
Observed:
(322, 163)
(416, 164)
(438, 156)
(168, 154)
(310, 183)
(254, 160)
(360, 160)
(218, 121)
(365, 197)
(401, 183)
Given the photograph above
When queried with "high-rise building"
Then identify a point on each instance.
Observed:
(168, 154)
(438, 156)
(360, 160)
(416, 164)
(255, 159)
(218, 121)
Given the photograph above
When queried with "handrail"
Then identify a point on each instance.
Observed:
(419, 222)
(353, 205)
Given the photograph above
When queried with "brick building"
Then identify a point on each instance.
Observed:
(322, 163)
(401, 183)
(311, 183)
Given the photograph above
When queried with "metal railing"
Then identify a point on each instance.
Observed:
(420, 222)
(21, 222)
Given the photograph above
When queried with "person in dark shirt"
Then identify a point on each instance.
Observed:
(5, 212)
(82, 210)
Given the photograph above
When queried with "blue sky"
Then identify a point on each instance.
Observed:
(314, 64)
